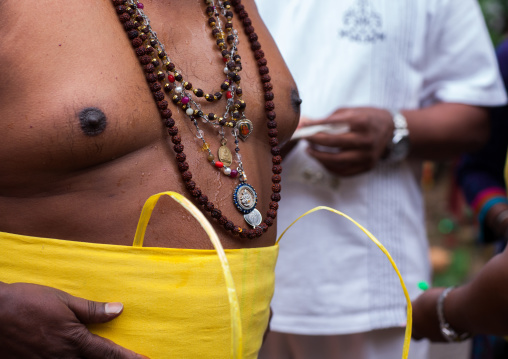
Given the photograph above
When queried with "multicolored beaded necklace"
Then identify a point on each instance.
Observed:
(162, 76)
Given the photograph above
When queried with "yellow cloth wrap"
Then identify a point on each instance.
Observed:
(175, 300)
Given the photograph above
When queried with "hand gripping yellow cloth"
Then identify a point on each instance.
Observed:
(175, 300)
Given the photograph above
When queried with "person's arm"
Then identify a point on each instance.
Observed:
(436, 132)
(478, 307)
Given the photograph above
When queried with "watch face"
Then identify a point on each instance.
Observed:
(400, 147)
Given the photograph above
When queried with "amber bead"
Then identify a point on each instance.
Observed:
(183, 166)
(169, 122)
(180, 157)
(216, 213)
(277, 169)
(173, 131)
(276, 178)
(179, 148)
(187, 176)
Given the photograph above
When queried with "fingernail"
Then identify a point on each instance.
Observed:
(113, 308)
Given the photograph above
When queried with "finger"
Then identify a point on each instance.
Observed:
(92, 346)
(344, 163)
(349, 140)
(90, 312)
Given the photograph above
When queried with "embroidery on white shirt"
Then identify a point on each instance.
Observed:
(362, 23)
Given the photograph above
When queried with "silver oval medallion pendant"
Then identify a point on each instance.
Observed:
(253, 218)
(245, 198)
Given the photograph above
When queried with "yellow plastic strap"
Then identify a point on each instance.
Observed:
(409, 325)
(236, 322)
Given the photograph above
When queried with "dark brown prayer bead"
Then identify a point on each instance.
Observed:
(183, 166)
(162, 105)
(196, 192)
(181, 157)
(203, 199)
(121, 9)
(269, 96)
(263, 226)
(223, 220)
(149, 68)
(273, 141)
(267, 86)
(128, 25)
(269, 221)
(276, 178)
(276, 160)
(274, 206)
(269, 105)
(216, 213)
(275, 197)
(176, 139)
(140, 51)
(173, 131)
(259, 54)
(273, 132)
(154, 87)
(145, 59)
(187, 176)
(266, 78)
(277, 169)
(133, 34)
(275, 151)
(179, 148)
(209, 206)
(150, 77)
(137, 42)
(166, 113)
(190, 185)
(258, 231)
(169, 122)
(271, 116)
(276, 187)
(159, 95)
(229, 225)
(118, 2)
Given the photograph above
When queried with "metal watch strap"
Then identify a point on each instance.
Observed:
(446, 330)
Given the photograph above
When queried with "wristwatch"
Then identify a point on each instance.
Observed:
(398, 148)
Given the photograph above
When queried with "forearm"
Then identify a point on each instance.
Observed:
(446, 129)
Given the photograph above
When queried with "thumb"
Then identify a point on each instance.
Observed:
(91, 312)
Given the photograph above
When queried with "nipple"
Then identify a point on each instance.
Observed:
(296, 101)
(93, 121)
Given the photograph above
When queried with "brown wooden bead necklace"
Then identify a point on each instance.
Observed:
(151, 53)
